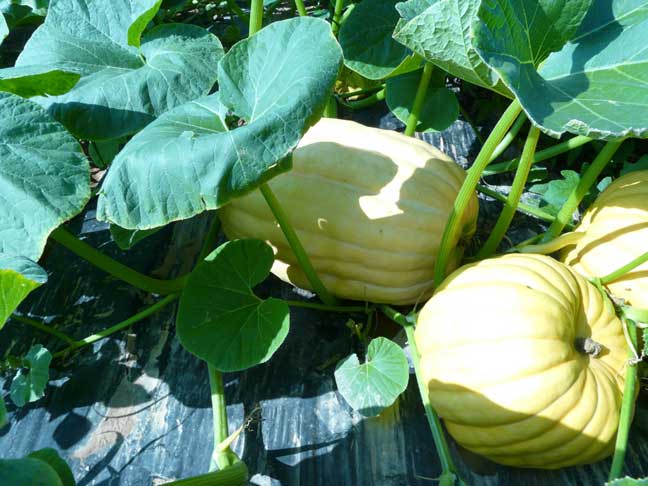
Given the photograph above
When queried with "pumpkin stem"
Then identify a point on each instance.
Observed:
(588, 346)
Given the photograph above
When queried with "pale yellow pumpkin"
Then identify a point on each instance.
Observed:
(503, 350)
(369, 206)
(615, 232)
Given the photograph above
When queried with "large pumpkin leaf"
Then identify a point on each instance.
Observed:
(439, 30)
(56, 462)
(30, 381)
(596, 84)
(126, 80)
(44, 177)
(372, 386)
(28, 471)
(18, 277)
(189, 160)
(32, 81)
(220, 319)
(366, 39)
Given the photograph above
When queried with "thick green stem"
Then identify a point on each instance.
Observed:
(453, 226)
(540, 155)
(509, 137)
(627, 405)
(328, 308)
(234, 475)
(221, 459)
(364, 102)
(624, 269)
(296, 246)
(301, 8)
(524, 208)
(42, 327)
(118, 327)
(331, 111)
(447, 465)
(114, 268)
(256, 17)
(590, 176)
(337, 16)
(419, 99)
(505, 218)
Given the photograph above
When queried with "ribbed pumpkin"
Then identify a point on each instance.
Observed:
(369, 206)
(615, 231)
(504, 350)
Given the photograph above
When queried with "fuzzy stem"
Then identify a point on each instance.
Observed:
(564, 216)
(624, 269)
(221, 459)
(337, 16)
(42, 327)
(234, 475)
(118, 327)
(256, 17)
(419, 99)
(451, 232)
(447, 465)
(506, 216)
(114, 268)
(296, 246)
(540, 155)
(509, 137)
(627, 406)
(301, 8)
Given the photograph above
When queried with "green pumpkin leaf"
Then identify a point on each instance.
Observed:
(32, 81)
(220, 320)
(189, 160)
(555, 193)
(44, 177)
(440, 108)
(627, 481)
(595, 85)
(125, 239)
(28, 472)
(126, 79)
(18, 277)
(440, 31)
(374, 385)
(29, 383)
(366, 39)
(54, 460)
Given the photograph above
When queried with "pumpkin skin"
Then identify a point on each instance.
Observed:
(369, 206)
(504, 372)
(615, 233)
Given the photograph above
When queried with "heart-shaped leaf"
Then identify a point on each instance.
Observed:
(595, 85)
(18, 277)
(56, 462)
(439, 30)
(126, 80)
(374, 385)
(189, 160)
(220, 319)
(366, 39)
(44, 177)
(30, 381)
(440, 108)
(28, 471)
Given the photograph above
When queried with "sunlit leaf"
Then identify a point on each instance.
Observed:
(30, 381)
(18, 277)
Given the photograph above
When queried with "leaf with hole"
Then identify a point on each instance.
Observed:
(18, 277)
(440, 107)
(372, 386)
(44, 177)
(190, 160)
(595, 84)
(28, 385)
(221, 320)
(127, 79)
